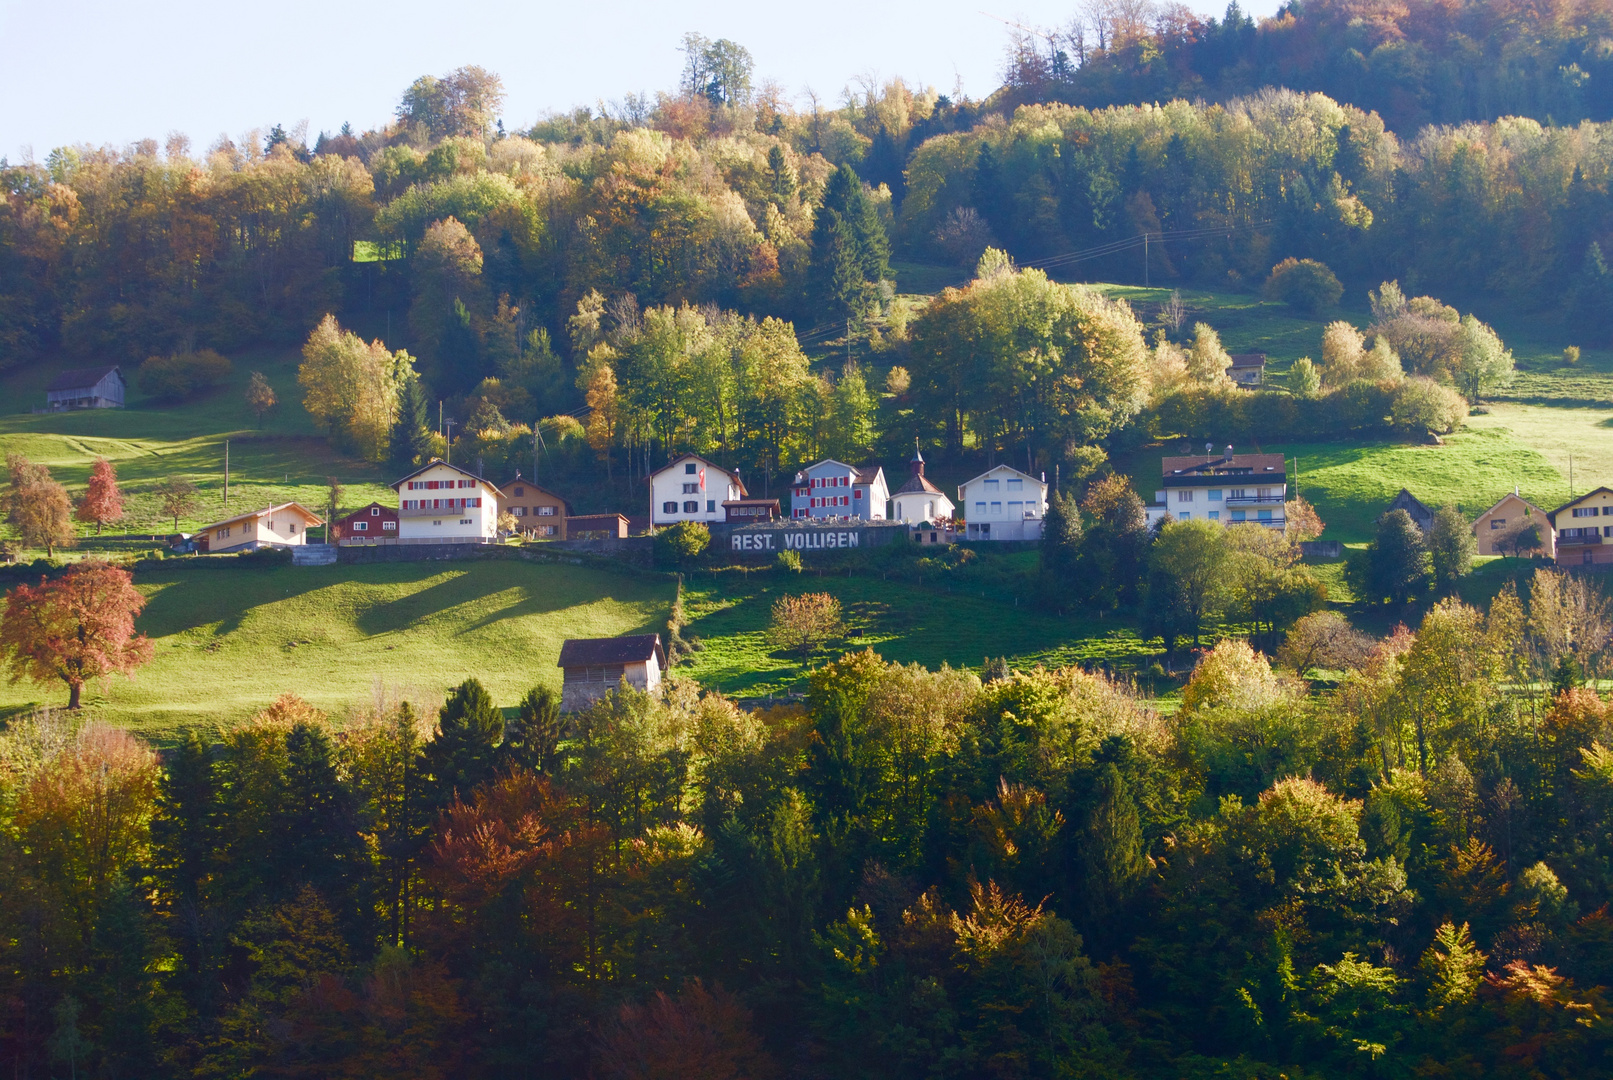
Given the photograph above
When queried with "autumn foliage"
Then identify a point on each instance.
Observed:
(103, 502)
(76, 627)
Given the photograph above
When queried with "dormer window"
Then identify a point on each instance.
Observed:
(689, 469)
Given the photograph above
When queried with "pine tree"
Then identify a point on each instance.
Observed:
(122, 985)
(184, 839)
(317, 829)
(1113, 855)
(849, 248)
(1451, 546)
(464, 752)
(1061, 542)
(532, 739)
(411, 434)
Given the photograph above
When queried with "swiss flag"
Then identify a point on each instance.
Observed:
(702, 478)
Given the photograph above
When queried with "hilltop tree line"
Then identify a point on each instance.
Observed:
(471, 245)
(1399, 870)
(1415, 63)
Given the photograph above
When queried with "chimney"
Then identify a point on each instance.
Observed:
(917, 464)
(1229, 452)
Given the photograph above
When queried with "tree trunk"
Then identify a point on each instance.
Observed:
(73, 690)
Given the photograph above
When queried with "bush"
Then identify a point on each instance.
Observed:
(1423, 406)
(1304, 284)
(680, 544)
(789, 562)
(802, 624)
(182, 374)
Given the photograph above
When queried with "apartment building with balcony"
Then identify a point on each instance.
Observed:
(442, 503)
(1582, 538)
(1229, 489)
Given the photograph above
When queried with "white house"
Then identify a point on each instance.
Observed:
(834, 489)
(918, 500)
(593, 667)
(690, 488)
(1231, 488)
(87, 388)
(444, 503)
(1003, 504)
(285, 525)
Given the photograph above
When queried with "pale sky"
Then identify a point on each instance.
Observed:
(112, 72)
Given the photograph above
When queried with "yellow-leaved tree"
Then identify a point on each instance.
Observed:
(351, 388)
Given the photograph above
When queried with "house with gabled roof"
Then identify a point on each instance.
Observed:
(918, 501)
(593, 667)
(690, 488)
(1003, 503)
(87, 388)
(285, 525)
(833, 489)
(443, 503)
(1582, 539)
(1228, 489)
(537, 511)
(1505, 528)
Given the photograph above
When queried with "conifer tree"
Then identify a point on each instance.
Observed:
(1061, 541)
(532, 739)
(849, 248)
(464, 751)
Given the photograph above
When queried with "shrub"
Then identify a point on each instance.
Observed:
(677, 545)
(804, 623)
(1571, 356)
(1424, 406)
(1304, 284)
(789, 562)
(182, 374)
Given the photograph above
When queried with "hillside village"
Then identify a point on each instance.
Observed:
(1094, 575)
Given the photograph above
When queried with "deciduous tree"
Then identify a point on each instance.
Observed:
(103, 502)
(260, 396)
(804, 623)
(37, 506)
(178, 498)
(76, 627)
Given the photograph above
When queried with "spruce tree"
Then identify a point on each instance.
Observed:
(318, 841)
(1591, 299)
(182, 833)
(1451, 547)
(1061, 543)
(411, 433)
(849, 248)
(464, 752)
(532, 739)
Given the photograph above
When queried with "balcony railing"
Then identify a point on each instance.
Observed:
(1564, 539)
(1238, 500)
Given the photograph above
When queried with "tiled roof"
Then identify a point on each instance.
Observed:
(917, 484)
(1210, 465)
(589, 652)
(82, 378)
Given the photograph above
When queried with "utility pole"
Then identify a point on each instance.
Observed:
(226, 472)
(448, 443)
(1145, 258)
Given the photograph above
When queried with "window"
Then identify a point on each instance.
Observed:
(518, 511)
(545, 511)
(858, 494)
(669, 508)
(1016, 509)
(1264, 493)
(690, 489)
(1237, 515)
(222, 533)
(1215, 495)
(1184, 495)
(1185, 515)
(1264, 515)
(689, 469)
(1238, 493)
(361, 526)
(519, 492)
(436, 522)
(711, 506)
(691, 506)
(991, 486)
(1607, 530)
(996, 508)
(464, 521)
(389, 526)
(980, 508)
(1016, 485)
(1497, 523)
(1214, 515)
(375, 511)
(1584, 511)
(802, 493)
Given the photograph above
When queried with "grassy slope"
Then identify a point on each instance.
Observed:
(150, 441)
(902, 621)
(231, 639)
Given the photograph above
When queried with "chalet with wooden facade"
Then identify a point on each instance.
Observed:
(593, 667)
(87, 388)
(372, 522)
(537, 511)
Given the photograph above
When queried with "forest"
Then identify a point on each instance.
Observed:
(1383, 857)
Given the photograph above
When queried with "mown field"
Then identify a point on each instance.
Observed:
(230, 638)
(150, 441)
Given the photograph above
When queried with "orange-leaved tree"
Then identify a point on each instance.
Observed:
(37, 506)
(103, 502)
(77, 627)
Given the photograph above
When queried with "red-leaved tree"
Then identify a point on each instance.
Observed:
(103, 501)
(75, 628)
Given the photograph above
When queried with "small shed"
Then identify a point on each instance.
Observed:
(1248, 368)
(372, 522)
(87, 388)
(596, 527)
(1412, 505)
(593, 667)
(750, 511)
